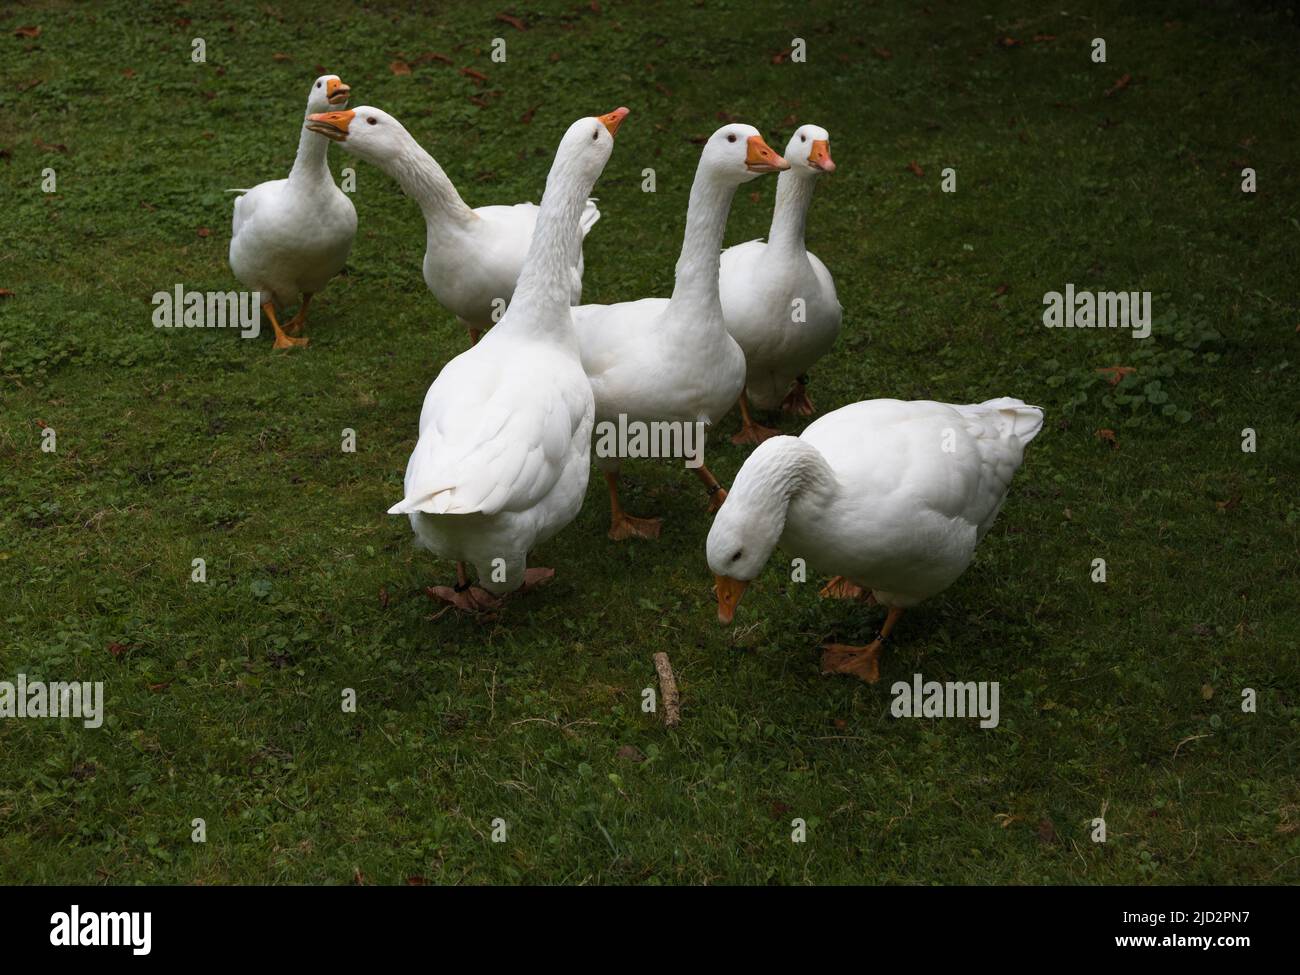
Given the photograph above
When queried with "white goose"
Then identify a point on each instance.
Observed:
(779, 300)
(504, 453)
(290, 236)
(892, 496)
(472, 258)
(671, 359)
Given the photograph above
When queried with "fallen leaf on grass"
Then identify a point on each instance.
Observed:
(915, 168)
(399, 67)
(1009, 42)
(1117, 373)
(884, 53)
(277, 56)
(514, 22)
(159, 688)
(6, 293)
(1119, 85)
(415, 881)
(433, 56)
(1040, 38)
(32, 31)
(1107, 435)
(383, 597)
(780, 56)
(204, 232)
(527, 117)
(28, 85)
(477, 76)
(117, 649)
(1207, 692)
(1002, 289)
(1046, 831)
(48, 146)
(1229, 504)
(631, 753)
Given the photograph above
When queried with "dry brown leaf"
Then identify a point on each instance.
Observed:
(1106, 435)
(1040, 38)
(399, 67)
(1119, 85)
(1117, 373)
(1001, 290)
(1008, 42)
(527, 117)
(1207, 692)
(884, 53)
(477, 76)
(915, 168)
(6, 293)
(32, 31)
(44, 146)
(514, 22)
(204, 232)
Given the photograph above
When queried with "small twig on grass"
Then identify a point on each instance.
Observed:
(1185, 741)
(668, 688)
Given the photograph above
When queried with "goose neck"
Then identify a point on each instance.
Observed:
(794, 192)
(422, 179)
(706, 225)
(309, 165)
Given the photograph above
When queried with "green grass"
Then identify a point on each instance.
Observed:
(174, 445)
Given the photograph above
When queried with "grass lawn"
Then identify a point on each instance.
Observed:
(1120, 699)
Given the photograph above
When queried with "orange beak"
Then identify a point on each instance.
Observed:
(729, 591)
(336, 92)
(761, 158)
(820, 156)
(332, 125)
(613, 120)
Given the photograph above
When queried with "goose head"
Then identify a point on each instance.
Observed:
(809, 151)
(586, 146)
(370, 133)
(750, 522)
(737, 153)
(328, 91)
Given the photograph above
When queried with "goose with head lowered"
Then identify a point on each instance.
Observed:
(778, 299)
(504, 452)
(472, 257)
(670, 360)
(290, 236)
(891, 496)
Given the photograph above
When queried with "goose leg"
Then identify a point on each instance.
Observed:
(621, 524)
(796, 401)
(295, 325)
(861, 662)
(282, 341)
(751, 432)
(717, 493)
(841, 588)
(464, 596)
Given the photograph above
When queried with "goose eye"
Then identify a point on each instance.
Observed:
(731, 138)
(372, 120)
(803, 138)
(739, 553)
(595, 135)
(318, 84)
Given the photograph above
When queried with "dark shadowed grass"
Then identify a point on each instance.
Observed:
(223, 699)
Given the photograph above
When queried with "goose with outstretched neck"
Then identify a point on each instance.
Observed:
(290, 236)
(504, 452)
(670, 360)
(472, 257)
(778, 298)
